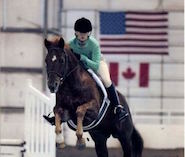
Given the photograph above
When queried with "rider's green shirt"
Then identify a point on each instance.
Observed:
(90, 52)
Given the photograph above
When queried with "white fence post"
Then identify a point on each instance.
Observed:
(39, 135)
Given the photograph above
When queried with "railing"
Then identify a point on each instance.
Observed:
(12, 148)
(39, 136)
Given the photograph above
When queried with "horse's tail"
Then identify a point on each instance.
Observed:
(137, 142)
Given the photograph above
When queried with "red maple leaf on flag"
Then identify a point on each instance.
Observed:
(128, 74)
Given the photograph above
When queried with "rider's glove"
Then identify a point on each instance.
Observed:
(78, 56)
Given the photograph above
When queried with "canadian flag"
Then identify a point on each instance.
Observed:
(129, 73)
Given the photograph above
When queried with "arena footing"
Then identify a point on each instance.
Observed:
(117, 152)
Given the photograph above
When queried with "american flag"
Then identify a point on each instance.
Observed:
(134, 32)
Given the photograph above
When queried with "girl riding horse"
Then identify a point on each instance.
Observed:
(78, 95)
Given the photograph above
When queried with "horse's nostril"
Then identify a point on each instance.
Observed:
(56, 84)
(51, 87)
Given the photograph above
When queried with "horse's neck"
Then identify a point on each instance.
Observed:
(71, 90)
(74, 70)
(73, 61)
(75, 78)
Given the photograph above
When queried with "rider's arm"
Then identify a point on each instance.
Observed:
(94, 61)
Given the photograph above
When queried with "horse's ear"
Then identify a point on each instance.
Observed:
(61, 43)
(47, 43)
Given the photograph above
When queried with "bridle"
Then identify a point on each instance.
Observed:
(65, 75)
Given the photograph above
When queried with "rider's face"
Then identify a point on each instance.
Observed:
(82, 36)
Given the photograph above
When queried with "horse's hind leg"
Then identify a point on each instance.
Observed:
(100, 143)
(126, 146)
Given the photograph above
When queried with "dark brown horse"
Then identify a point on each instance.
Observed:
(79, 97)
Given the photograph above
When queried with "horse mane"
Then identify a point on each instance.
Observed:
(55, 39)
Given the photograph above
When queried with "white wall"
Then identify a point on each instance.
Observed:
(123, 4)
(13, 89)
(21, 50)
(12, 126)
(21, 13)
(166, 136)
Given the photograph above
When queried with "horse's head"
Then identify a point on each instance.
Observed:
(56, 63)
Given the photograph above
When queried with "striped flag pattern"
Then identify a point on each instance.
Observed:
(134, 33)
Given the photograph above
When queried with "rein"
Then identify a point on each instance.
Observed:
(62, 79)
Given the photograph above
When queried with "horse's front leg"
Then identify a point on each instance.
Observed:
(58, 131)
(81, 110)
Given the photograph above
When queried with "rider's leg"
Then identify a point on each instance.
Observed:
(113, 96)
(119, 110)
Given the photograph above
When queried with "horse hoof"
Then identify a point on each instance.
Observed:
(80, 144)
(60, 145)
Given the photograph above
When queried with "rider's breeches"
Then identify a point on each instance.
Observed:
(103, 71)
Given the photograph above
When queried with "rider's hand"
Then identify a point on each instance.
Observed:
(83, 65)
(78, 56)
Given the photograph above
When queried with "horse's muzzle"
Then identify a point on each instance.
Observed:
(53, 87)
(53, 82)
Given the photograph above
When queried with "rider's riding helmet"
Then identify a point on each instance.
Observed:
(83, 25)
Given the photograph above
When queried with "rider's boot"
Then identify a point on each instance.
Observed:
(49, 119)
(119, 110)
